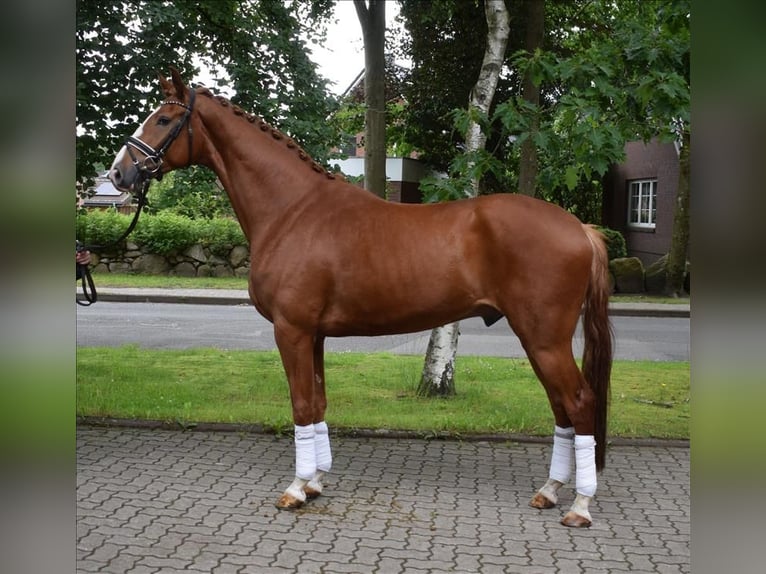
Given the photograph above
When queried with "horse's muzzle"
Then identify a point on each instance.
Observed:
(123, 178)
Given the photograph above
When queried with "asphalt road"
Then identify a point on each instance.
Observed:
(170, 326)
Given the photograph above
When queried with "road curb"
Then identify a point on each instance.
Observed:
(179, 298)
(239, 297)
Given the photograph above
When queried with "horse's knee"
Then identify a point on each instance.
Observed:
(303, 412)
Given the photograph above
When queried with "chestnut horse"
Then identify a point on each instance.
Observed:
(329, 259)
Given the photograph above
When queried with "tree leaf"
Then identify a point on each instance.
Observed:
(570, 177)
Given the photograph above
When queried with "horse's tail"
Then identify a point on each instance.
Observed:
(597, 355)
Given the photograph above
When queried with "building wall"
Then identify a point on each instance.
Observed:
(403, 176)
(654, 160)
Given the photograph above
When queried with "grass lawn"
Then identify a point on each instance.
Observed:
(370, 391)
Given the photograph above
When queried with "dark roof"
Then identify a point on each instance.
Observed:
(105, 194)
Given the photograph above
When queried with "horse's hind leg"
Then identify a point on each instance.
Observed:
(560, 468)
(573, 406)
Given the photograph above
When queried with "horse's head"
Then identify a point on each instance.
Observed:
(157, 146)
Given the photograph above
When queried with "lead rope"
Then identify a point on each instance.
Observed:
(88, 287)
(90, 295)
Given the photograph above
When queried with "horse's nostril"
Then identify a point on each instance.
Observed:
(115, 176)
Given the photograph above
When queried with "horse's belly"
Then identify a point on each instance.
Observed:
(397, 320)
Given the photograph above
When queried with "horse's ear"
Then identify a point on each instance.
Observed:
(178, 83)
(167, 87)
(175, 86)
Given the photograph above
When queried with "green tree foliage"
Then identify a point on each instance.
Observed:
(446, 46)
(258, 48)
(609, 73)
(349, 117)
(193, 192)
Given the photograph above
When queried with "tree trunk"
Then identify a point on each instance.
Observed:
(679, 245)
(439, 369)
(438, 377)
(372, 17)
(535, 11)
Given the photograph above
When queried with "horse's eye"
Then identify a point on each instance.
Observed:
(163, 121)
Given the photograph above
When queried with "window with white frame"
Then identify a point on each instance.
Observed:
(642, 203)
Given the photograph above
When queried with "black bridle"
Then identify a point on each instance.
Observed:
(148, 169)
(150, 166)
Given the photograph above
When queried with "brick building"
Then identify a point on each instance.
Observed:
(639, 198)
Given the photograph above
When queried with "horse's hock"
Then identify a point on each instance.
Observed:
(195, 261)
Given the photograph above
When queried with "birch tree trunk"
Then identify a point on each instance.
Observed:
(372, 17)
(438, 377)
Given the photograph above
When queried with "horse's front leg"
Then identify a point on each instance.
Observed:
(297, 349)
(322, 437)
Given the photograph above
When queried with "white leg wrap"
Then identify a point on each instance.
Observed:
(322, 445)
(585, 465)
(305, 452)
(561, 459)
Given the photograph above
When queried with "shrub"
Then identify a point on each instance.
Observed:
(166, 233)
(163, 233)
(101, 227)
(615, 243)
(221, 235)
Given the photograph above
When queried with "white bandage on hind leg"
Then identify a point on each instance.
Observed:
(322, 445)
(305, 452)
(561, 458)
(585, 465)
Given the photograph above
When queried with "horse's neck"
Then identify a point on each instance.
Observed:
(263, 177)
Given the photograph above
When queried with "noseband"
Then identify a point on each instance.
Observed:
(150, 166)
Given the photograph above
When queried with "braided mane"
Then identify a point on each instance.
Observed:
(266, 127)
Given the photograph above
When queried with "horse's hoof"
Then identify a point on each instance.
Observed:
(541, 501)
(574, 520)
(288, 502)
(311, 493)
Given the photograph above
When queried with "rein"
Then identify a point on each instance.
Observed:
(148, 169)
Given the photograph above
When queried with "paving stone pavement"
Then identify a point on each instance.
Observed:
(171, 501)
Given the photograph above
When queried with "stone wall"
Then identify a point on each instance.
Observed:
(629, 276)
(196, 261)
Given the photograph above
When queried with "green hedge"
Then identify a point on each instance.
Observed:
(164, 233)
(221, 235)
(615, 243)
